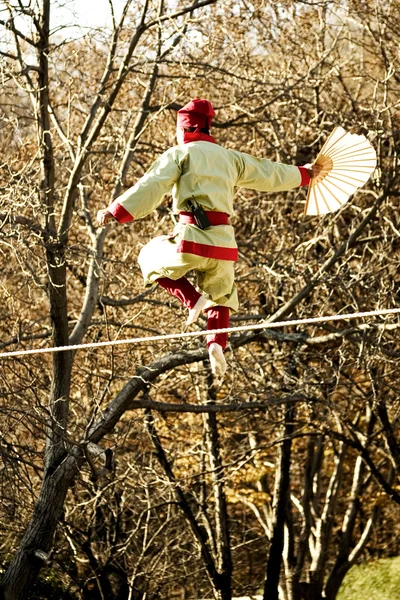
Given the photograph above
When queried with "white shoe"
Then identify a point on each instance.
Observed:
(217, 359)
(196, 310)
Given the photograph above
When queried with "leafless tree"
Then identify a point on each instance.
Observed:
(308, 415)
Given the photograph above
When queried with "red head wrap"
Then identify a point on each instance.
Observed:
(197, 113)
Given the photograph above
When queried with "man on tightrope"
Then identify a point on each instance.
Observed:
(202, 176)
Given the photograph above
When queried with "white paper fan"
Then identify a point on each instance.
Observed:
(347, 161)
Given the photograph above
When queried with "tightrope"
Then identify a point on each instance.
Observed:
(192, 334)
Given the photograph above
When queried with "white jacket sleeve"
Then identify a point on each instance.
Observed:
(265, 175)
(149, 191)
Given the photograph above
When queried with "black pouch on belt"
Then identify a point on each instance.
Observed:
(199, 214)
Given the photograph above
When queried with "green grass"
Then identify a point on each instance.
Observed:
(377, 580)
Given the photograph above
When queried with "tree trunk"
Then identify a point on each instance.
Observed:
(224, 559)
(62, 361)
(38, 537)
(271, 587)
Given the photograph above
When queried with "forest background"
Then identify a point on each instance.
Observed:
(280, 478)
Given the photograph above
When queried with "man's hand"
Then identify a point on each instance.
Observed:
(104, 216)
(314, 170)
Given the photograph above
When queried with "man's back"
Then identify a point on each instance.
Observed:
(210, 173)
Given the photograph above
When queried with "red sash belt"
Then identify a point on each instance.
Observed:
(215, 218)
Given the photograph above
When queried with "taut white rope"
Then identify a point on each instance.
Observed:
(189, 334)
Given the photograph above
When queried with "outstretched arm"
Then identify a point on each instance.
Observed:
(141, 199)
(265, 175)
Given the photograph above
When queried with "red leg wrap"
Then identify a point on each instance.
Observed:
(218, 318)
(182, 289)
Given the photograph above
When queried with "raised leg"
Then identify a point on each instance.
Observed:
(187, 294)
(181, 289)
